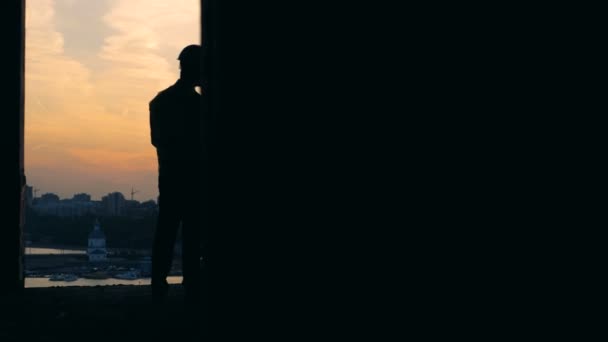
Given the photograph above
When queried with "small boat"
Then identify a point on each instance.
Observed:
(127, 275)
(57, 277)
(70, 277)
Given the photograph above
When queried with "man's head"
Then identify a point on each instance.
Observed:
(190, 63)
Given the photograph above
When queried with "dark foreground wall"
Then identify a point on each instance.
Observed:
(12, 179)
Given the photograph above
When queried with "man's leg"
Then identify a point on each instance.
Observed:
(167, 225)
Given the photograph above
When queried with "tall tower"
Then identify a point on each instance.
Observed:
(97, 244)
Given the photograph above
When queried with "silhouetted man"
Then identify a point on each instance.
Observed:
(176, 130)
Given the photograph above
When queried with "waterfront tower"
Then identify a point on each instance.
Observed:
(97, 251)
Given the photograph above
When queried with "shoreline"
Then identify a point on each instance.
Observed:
(76, 248)
(138, 251)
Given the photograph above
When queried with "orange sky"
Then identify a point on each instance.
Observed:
(91, 69)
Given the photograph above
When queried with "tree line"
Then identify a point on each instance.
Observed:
(120, 232)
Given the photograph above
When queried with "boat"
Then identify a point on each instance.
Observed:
(127, 275)
(70, 277)
(57, 277)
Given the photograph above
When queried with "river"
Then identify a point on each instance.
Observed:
(45, 282)
(52, 251)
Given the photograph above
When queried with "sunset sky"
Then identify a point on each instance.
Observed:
(92, 67)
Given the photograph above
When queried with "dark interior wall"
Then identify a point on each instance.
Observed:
(12, 15)
(261, 208)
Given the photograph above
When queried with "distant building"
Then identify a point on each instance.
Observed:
(81, 198)
(131, 204)
(29, 195)
(97, 251)
(49, 198)
(149, 207)
(98, 207)
(149, 204)
(136, 209)
(114, 204)
(64, 208)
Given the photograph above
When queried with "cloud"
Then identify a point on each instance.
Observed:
(145, 33)
(49, 74)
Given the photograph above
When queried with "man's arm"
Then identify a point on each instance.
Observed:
(155, 127)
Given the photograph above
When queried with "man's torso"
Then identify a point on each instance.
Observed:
(176, 125)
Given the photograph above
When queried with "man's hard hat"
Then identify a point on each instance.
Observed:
(190, 53)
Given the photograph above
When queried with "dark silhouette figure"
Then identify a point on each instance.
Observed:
(176, 131)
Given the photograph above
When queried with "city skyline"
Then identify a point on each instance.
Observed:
(126, 195)
(114, 204)
(91, 68)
